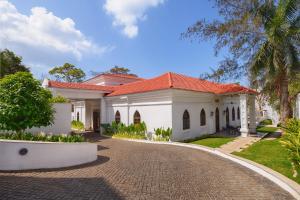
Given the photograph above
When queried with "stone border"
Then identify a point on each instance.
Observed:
(285, 183)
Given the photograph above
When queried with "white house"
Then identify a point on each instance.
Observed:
(190, 106)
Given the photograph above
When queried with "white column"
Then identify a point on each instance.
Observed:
(298, 107)
(103, 117)
(244, 115)
(252, 114)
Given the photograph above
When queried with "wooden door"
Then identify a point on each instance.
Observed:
(96, 121)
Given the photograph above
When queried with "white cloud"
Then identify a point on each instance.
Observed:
(41, 37)
(127, 13)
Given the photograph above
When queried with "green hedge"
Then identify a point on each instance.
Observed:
(42, 137)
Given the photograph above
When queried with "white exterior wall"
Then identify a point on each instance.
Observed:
(62, 121)
(193, 102)
(165, 109)
(155, 108)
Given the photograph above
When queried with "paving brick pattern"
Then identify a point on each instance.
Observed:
(238, 144)
(129, 170)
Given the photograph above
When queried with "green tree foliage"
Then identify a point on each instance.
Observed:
(24, 103)
(115, 70)
(264, 40)
(59, 99)
(10, 63)
(228, 69)
(119, 70)
(68, 73)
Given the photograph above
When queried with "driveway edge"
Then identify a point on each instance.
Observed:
(285, 183)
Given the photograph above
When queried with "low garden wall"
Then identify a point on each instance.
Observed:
(24, 155)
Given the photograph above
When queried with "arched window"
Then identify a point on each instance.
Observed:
(136, 118)
(202, 118)
(78, 116)
(186, 120)
(233, 114)
(117, 117)
(238, 113)
(227, 117)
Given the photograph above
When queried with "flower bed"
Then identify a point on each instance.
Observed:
(42, 137)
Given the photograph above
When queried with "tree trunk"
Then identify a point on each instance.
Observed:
(285, 109)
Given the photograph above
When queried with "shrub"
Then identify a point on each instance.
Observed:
(163, 134)
(77, 125)
(59, 99)
(24, 103)
(107, 128)
(132, 131)
(42, 137)
(291, 141)
(266, 122)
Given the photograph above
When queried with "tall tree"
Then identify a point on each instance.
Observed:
(10, 63)
(24, 103)
(119, 70)
(262, 35)
(115, 70)
(68, 73)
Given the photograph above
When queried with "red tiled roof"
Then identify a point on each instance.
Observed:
(177, 81)
(82, 86)
(165, 81)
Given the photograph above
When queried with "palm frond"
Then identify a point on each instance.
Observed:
(261, 59)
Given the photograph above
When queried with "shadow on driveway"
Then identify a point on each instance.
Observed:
(15, 187)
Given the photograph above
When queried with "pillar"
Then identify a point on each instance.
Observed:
(297, 113)
(252, 114)
(103, 117)
(244, 115)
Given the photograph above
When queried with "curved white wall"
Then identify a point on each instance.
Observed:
(42, 155)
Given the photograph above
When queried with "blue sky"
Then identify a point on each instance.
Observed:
(156, 47)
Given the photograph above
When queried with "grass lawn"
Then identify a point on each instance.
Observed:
(213, 142)
(265, 129)
(271, 154)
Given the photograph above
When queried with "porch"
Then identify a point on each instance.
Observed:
(245, 124)
(88, 104)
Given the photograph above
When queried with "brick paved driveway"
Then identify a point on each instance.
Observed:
(128, 170)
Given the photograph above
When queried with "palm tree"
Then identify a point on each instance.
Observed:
(276, 62)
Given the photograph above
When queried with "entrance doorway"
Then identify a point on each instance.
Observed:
(227, 118)
(217, 120)
(96, 121)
